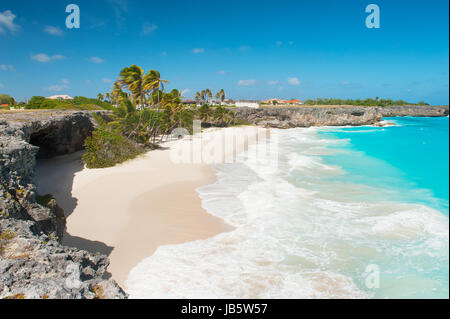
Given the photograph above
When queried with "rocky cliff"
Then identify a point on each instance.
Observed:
(33, 264)
(412, 110)
(330, 115)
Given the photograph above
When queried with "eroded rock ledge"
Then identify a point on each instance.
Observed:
(331, 116)
(33, 263)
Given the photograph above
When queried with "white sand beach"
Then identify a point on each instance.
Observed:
(127, 211)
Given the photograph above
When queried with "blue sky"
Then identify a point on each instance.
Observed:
(252, 49)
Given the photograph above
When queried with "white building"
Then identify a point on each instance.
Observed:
(60, 97)
(247, 103)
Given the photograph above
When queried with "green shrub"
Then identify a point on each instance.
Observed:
(107, 147)
(6, 99)
(78, 103)
(367, 102)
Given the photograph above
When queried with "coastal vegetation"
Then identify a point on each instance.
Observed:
(77, 103)
(367, 102)
(6, 99)
(144, 114)
(107, 147)
(206, 96)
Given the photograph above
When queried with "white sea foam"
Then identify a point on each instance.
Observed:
(297, 234)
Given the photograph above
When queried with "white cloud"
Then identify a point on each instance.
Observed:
(198, 50)
(95, 59)
(291, 42)
(7, 22)
(54, 30)
(272, 82)
(88, 82)
(293, 81)
(1, 86)
(244, 48)
(120, 8)
(221, 72)
(246, 82)
(148, 28)
(106, 80)
(278, 43)
(185, 91)
(6, 67)
(44, 58)
(164, 53)
(345, 83)
(58, 57)
(57, 87)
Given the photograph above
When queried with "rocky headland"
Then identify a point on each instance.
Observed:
(307, 116)
(33, 263)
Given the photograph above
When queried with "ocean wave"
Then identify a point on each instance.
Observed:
(297, 234)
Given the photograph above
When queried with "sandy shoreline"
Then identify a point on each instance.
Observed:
(129, 210)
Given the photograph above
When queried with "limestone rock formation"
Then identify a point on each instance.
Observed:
(330, 116)
(33, 264)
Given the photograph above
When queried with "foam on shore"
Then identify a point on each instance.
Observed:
(301, 231)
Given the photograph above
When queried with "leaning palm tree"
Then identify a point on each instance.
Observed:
(198, 97)
(133, 79)
(209, 94)
(203, 96)
(221, 95)
(116, 93)
(154, 83)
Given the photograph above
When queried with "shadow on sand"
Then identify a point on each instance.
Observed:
(55, 176)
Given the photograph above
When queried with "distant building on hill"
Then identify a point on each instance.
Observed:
(227, 102)
(282, 101)
(4, 105)
(294, 102)
(60, 97)
(189, 102)
(248, 103)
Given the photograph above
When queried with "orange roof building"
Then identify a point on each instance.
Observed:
(294, 102)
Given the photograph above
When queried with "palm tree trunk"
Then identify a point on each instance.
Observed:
(140, 115)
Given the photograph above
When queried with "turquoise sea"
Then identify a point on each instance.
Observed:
(339, 212)
(410, 157)
(407, 163)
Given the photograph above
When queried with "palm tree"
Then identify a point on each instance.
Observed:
(100, 97)
(177, 103)
(209, 94)
(203, 95)
(154, 83)
(117, 95)
(133, 78)
(221, 95)
(198, 97)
